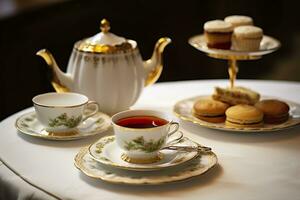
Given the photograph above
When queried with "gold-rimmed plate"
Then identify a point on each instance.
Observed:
(268, 44)
(92, 168)
(183, 110)
(107, 152)
(28, 124)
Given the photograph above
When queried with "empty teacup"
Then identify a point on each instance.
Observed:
(61, 113)
(142, 133)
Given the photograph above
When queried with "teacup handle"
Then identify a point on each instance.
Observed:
(176, 127)
(94, 112)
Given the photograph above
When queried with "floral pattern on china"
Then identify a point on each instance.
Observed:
(65, 120)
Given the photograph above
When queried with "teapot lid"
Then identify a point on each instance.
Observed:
(105, 42)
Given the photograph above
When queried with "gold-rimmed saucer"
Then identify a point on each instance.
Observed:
(28, 124)
(107, 152)
(195, 167)
(183, 110)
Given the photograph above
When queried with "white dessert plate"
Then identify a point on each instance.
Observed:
(107, 152)
(28, 124)
(195, 167)
(267, 45)
(183, 110)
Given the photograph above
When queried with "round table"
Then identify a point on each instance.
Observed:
(250, 165)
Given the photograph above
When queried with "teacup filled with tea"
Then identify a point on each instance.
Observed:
(61, 113)
(142, 133)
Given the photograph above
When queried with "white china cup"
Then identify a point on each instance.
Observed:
(135, 142)
(62, 112)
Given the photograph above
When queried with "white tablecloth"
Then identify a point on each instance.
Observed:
(251, 166)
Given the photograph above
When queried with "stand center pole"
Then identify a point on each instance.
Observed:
(232, 70)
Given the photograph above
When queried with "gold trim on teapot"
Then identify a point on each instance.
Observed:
(86, 45)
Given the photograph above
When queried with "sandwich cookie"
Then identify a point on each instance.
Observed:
(236, 95)
(210, 110)
(275, 111)
(243, 115)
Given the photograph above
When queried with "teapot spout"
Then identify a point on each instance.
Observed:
(154, 65)
(60, 81)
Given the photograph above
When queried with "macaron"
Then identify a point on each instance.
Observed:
(210, 110)
(275, 111)
(243, 115)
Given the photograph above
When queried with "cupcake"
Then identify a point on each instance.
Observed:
(218, 34)
(247, 38)
(239, 20)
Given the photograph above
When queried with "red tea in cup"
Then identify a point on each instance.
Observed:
(141, 122)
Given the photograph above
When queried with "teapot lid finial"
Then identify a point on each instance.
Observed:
(105, 42)
(105, 25)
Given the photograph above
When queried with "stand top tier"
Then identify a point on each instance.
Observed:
(267, 45)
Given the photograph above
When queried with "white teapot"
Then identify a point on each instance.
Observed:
(108, 69)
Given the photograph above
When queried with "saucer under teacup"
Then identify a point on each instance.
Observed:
(28, 124)
(107, 152)
(195, 167)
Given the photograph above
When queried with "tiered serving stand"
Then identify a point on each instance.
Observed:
(183, 108)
